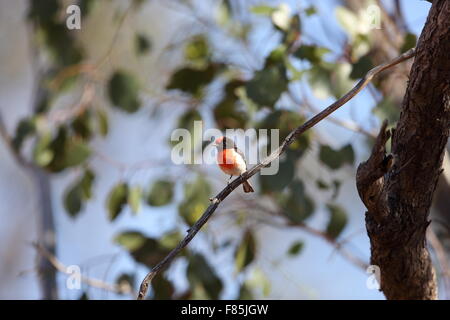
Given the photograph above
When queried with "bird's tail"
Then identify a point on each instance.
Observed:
(247, 187)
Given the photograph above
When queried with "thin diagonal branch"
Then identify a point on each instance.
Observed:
(273, 156)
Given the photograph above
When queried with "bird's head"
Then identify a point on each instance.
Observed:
(223, 143)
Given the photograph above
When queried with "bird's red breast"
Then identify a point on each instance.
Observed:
(231, 161)
(226, 159)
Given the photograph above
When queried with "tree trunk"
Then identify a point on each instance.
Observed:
(47, 235)
(398, 189)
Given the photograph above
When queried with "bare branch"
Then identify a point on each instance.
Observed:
(274, 155)
(347, 124)
(95, 283)
(337, 245)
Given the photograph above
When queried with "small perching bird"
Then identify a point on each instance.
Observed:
(231, 160)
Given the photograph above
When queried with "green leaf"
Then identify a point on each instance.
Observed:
(187, 119)
(102, 122)
(330, 79)
(86, 6)
(263, 10)
(409, 42)
(319, 79)
(196, 200)
(285, 121)
(192, 80)
(163, 289)
(43, 154)
(197, 50)
(86, 183)
(58, 147)
(126, 281)
(335, 159)
(267, 85)
(117, 199)
(292, 34)
(330, 157)
(311, 53)
(336, 186)
(311, 10)
(298, 206)
(170, 240)
(322, 184)
(161, 193)
(134, 198)
(245, 293)
(348, 155)
(227, 113)
(83, 126)
(123, 90)
(245, 252)
(361, 67)
(296, 248)
(76, 153)
(78, 192)
(201, 274)
(130, 240)
(277, 56)
(277, 182)
(142, 43)
(67, 151)
(224, 13)
(24, 129)
(340, 79)
(143, 249)
(64, 50)
(73, 200)
(337, 222)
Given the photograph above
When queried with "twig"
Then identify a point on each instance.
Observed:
(337, 245)
(95, 283)
(274, 155)
(60, 116)
(347, 124)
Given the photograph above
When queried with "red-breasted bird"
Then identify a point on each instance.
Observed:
(231, 160)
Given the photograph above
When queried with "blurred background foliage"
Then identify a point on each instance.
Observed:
(219, 67)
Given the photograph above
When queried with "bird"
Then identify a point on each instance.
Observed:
(231, 160)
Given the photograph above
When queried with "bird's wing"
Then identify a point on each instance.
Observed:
(241, 154)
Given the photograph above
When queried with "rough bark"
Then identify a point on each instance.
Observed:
(398, 191)
(392, 84)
